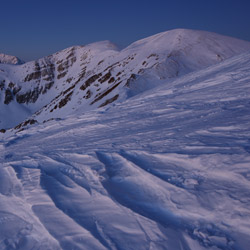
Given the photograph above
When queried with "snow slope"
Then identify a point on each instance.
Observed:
(166, 169)
(83, 78)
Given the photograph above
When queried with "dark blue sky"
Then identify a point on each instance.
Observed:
(31, 29)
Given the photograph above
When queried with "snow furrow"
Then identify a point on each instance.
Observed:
(44, 208)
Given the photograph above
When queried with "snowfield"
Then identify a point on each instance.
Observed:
(165, 169)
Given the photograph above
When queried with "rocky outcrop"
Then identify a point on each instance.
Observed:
(90, 80)
(43, 71)
(64, 65)
(26, 123)
(43, 74)
(114, 98)
(8, 96)
(29, 97)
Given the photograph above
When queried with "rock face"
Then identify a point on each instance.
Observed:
(7, 59)
(81, 78)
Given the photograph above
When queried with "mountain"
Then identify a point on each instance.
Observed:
(7, 59)
(83, 78)
(165, 169)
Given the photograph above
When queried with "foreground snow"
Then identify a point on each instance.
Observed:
(167, 169)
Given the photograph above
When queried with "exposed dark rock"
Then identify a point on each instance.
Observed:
(47, 71)
(43, 71)
(152, 55)
(25, 123)
(59, 62)
(73, 60)
(2, 85)
(61, 75)
(100, 96)
(90, 81)
(49, 78)
(47, 87)
(70, 55)
(88, 94)
(11, 85)
(48, 74)
(67, 90)
(16, 90)
(140, 71)
(62, 66)
(105, 77)
(8, 96)
(82, 74)
(111, 66)
(100, 62)
(2, 130)
(131, 78)
(109, 101)
(37, 66)
(33, 76)
(65, 100)
(69, 80)
(30, 96)
(112, 79)
(84, 56)
(52, 119)
(53, 108)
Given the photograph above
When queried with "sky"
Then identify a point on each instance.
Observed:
(31, 29)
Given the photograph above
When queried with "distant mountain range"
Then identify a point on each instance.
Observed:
(7, 59)
(82, 78)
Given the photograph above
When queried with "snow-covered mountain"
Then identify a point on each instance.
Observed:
(7, 59)
(82, 78)
(166, 169)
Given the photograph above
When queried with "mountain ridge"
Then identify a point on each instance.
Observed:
(82, 78)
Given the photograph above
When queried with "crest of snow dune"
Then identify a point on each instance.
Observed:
(7, 59)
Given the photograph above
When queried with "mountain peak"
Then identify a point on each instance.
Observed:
(187, 38)
(8, 59)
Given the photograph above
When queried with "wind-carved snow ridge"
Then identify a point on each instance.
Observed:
(167, 168)
(83, 78)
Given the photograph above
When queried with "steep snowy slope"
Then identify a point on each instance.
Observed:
(7, 59)
(83, 78)
(166, 169)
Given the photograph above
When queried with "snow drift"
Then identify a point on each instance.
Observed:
(165, 169)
